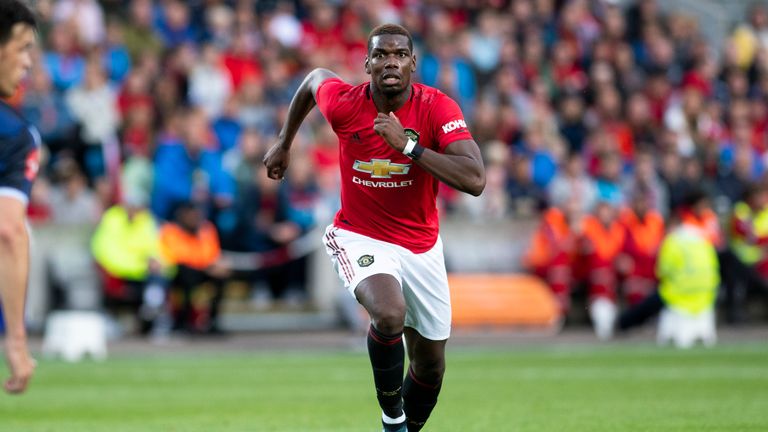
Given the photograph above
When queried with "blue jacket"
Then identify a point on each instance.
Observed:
(177, 173)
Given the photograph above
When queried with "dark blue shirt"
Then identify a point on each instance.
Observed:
(19, 154)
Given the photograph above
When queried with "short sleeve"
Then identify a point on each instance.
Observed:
(19, 162)
(328, 92)
(448, 122)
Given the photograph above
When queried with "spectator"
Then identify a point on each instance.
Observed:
(745, 265)
(646, 182)
(191, 244)
(609, 178)
(140, 37)
(126, 247)
(86, 16)
(571, 120)
(209, 82)
(46, 109)
(601, 243)
(174, 24)
(94, 105)
(71, 201)
(644, 228)
(749, 37)
(572, 180)
(63, 61)
(554, 250)
(117, 59)
(192, 169)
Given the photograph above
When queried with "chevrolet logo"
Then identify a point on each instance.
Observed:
(381, 168)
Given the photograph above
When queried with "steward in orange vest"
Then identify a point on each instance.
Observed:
(644, 229)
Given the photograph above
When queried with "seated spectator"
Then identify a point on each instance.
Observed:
(525, 196)
(644, 228)
(553, 252)
(71, 202)
(645, 181)
(93, 103)
(572, 126)
(572, 180)
(126, 247)
(45, 108)
(191, 169)
(600, 244)
(192, 245)
(609, 178)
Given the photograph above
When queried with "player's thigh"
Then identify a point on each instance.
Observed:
(370, 269)
(425, 287)
(382, 296)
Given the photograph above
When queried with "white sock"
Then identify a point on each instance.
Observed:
(389, 420)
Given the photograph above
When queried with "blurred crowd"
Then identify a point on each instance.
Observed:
(604, 116)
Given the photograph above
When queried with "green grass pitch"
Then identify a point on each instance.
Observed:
(566, 388)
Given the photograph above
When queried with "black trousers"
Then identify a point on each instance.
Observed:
(641, 312)
(187, 279)
(739, 280)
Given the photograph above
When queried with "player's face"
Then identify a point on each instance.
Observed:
(16, 58)
(390, 63)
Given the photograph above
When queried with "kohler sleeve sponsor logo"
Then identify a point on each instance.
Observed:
(453, 125)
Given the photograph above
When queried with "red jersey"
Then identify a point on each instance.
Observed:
(384, 194)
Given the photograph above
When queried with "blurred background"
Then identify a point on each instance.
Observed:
(600, 121)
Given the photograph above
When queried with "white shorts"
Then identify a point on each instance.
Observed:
(422, 277)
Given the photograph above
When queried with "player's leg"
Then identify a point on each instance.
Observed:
(371, 271)
(427, 328)
(382, 297)
(424, 379)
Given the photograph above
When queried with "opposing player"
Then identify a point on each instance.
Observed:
(19, 145)
(397, 140)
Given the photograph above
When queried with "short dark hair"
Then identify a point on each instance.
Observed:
(13, 12)
(390, 29)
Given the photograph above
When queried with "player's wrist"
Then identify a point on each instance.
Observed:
(16, 339)
(413, 150)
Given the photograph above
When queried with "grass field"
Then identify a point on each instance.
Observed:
(578, 388)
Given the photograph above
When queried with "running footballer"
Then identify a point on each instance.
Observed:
(397, 140)
(19, 148)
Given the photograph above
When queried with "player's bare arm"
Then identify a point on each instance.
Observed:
(461, 166)
(14, 257)
(278, 157)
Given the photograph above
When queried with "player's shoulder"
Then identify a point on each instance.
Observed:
(343, 95)
(428, 94)
(11, 122)
(339, 85)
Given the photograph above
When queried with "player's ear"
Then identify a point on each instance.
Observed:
(413, 63)
(367, 65)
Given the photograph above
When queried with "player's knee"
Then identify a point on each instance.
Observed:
(390, 320)
(11, 235)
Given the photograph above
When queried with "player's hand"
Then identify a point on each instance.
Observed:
(20, 364)
(390, 128)
(276, 160)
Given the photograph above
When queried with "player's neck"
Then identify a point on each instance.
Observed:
(386, 104)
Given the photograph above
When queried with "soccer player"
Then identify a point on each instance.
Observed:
(397, 140)
(19, 145)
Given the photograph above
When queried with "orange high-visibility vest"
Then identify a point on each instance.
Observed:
(553, 234)
(707, 223)
(645, 233)
(198, 250)
(607, 241)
